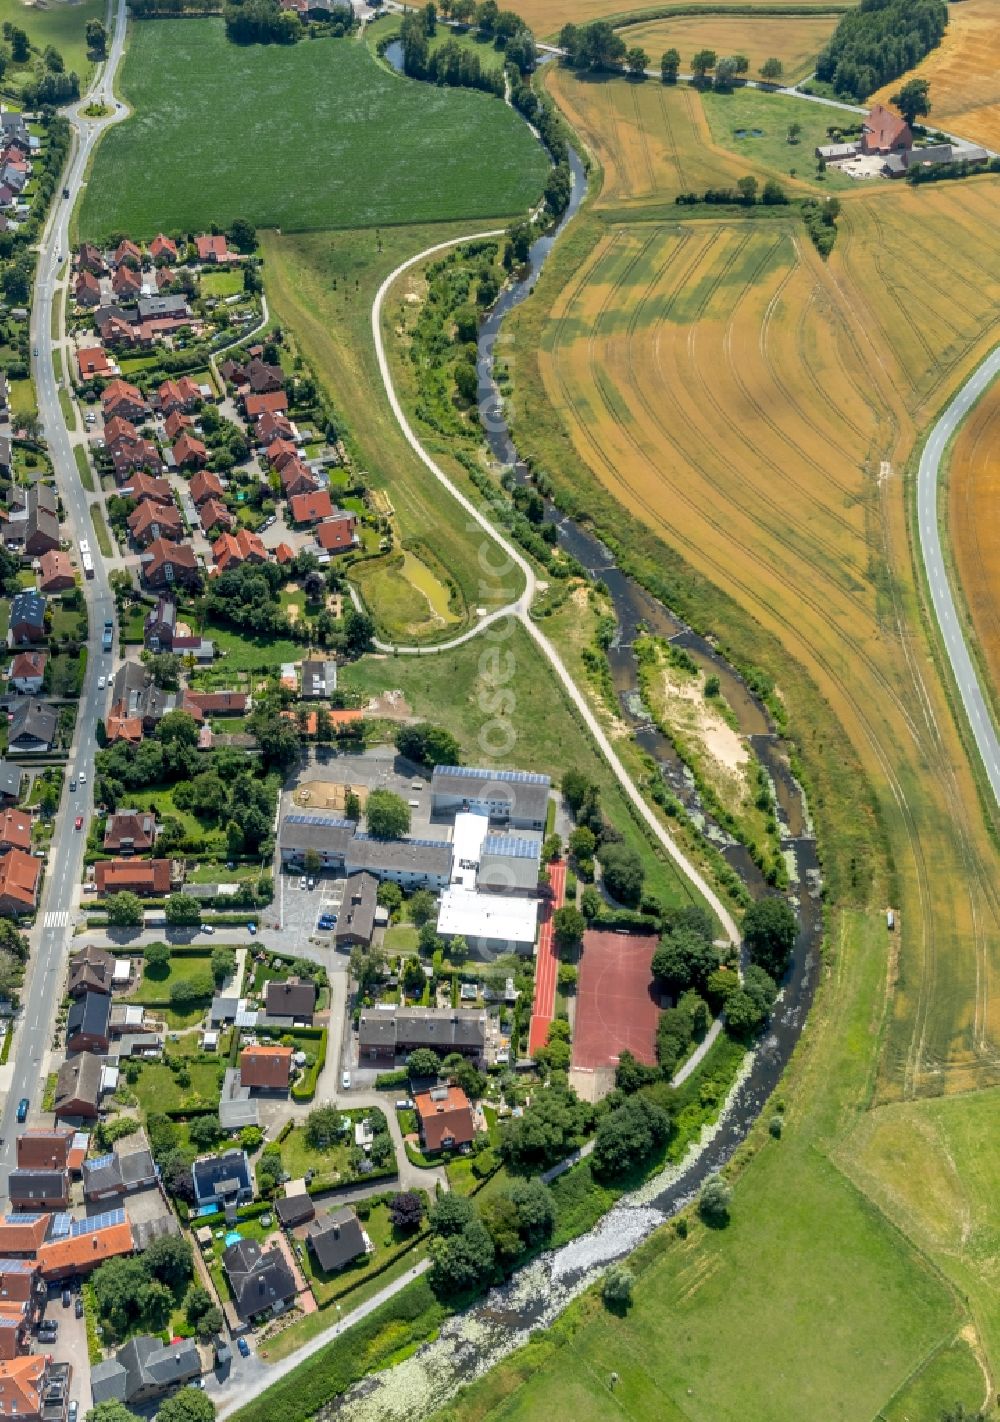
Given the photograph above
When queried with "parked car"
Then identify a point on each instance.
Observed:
(67, 1298)
(310, 883)
(72, 784)
(345, 1081)
(244, 1347)
(404, 1104)
(72, 1411)
(22, 1110)
(78, 1308)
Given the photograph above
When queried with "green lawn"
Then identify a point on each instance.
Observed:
(155, 985)
(242, 651)
(489, 56)
(68, 622)
(83, 465)
(747, 109)
(388, 1244)
(158, 1089)
(330, 1166)
(101, 531)
(61, 23)
(160, 799)
(348, 144)
(221, 284)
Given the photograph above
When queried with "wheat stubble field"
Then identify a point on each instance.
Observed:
(974, 524)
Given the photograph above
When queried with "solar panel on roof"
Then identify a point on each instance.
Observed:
(98, 1161)
(20, 1219)
(511, 847)
(479, 772)
(333, 820)
(96, 1222)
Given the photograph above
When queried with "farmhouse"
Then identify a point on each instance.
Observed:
(884, 132)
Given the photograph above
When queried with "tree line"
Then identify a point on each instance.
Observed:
(599, 47)
(878, 42)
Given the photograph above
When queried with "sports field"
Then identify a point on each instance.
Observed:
(794, 39)
(973, 513)
(964, 74)
(303, 136)
(616, 1003)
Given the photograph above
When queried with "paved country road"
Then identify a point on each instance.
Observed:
(50, 938)
(945, 610)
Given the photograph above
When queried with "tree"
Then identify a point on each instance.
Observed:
(157, 1305)
(566, 977)
(169, 1259)
(352, 807)
(536, 1210)
(20, 47)
(794, 131)
(110, 1412)
(772, 70)
(183, 909)
(359, 631)
(713, 1202)
(118, 1287)
(743, 1014)
(703, 61)
(569, 925)
(205, 1131)
(125, 910)
(548, 1129)
(97, 39)
(769, 931)
(323, 1127)
(913, 100)
(190, 1404)
(423, 907)
(622, 873)
(423, 1062)
(251, 1138)
(726, 70)
(451, 1214)
(413, 978)
(617, 1286)
(670, 63)
(157, 956)
(269, 1170)
(388, 815)
(210, 1324)
(748, 192)
(165, 669)
(591, 903)
(390, 896)
(223, 964)
(627, 1135)
(582, 843)
(243, 235)
(406, 1210)
(773, 194)
(684, 959)
(637, 61)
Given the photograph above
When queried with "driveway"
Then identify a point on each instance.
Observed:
(70, 1347)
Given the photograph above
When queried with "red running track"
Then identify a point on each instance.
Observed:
(547, 963)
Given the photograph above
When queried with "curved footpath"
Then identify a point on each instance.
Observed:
(521, 608)
(942, 599)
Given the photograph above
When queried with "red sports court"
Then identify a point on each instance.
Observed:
(616, 1003)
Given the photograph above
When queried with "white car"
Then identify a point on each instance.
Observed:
(345, 1081)
(82, 777)
(101, 683)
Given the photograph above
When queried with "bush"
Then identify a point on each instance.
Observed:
(714, 1201)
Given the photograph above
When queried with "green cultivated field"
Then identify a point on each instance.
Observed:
(313, 135)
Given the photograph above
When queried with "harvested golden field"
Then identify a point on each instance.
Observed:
(974, 523)
(795, 39)
(739, 396)
(964, 74)
(547, 17)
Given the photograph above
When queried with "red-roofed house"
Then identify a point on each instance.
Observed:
(126, 251)
(182, 394)
(87, 290)
(140, 876)
(165, 277)
(120, 431)
(18, 882)
(166, 565)
(128, 456)
(206, 485)
(175, 424)
(280, 452)
(310, 508)
(214, 248)
(272, 402)
(885, 132)
(15, 831)
(119, 398)
(24, 1385)
(27, 671)
(163, 249)
(336, 534)
(296, 479)
(123, 728)
(189, 451)
(89, 259)
(214, 514)
(150, 521)
(94, 364)
(270, 427)
(231, 550)
(147, 486)
(266, 1068)
(284, 553)
(55, 572)
(445, 1118)
(126, 283)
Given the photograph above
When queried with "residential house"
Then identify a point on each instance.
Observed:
(296, 479)
(263, 378)
(123, 728)
(294, 1210)
(90, 259)
(163, 249)
(126, 284)
(27, 619)
(85, 1243)
(129, 1167)
(233, 373)
(214, 514)
(200, 704)
(21, 1236)
(337, 533)
(280, 452)
(205, 485)
(34, 1388)
(232, 549)
(134, 693)
(55, 572)
(128, 456)
(78, 1087)
(94, 364)
(274, 402)
(356, 921)
(189, 452)
(38, 1188)
(87, 1026)
(91, 970)
(175, 423)
(139, 876)
(126, 253)
(384, 1033)
(213, 248)
(15, 831)
(44, 1148)
(33, 523)
(312, 507)
(319, 679)
(445, 1118)
(11, 781)
(294, 998)
(181, 394)
(123, 400)
(130, 832)
(261, 1281)
(222, 1179)
(284, 553)
(145, 1368)
(21, 1283)
(336, 1239)
(150, 521)
(884, 132)
(266, 1068)
(165, 278)
(19, 875)
(27, 671)
(271, 426)
(32, 727)
(167, 565)
(141, 486)
(87, 290)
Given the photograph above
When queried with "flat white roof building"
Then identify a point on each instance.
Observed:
(495, 921)
(467, 846)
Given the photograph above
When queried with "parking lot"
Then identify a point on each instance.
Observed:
(300, 908)
(70, 1346)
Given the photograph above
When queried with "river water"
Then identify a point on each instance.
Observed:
(470, 1343)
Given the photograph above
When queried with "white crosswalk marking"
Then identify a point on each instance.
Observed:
(57, 918)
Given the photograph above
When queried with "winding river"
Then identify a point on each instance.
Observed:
(472, 1342)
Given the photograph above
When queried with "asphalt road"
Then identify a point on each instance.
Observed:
(51, 936)
(963, 669)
